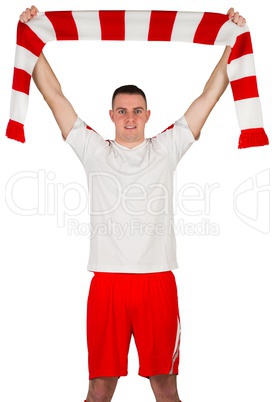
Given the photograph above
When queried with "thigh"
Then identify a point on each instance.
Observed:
(156, 325)
(108, 327)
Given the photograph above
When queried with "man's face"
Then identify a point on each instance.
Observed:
(129, 115)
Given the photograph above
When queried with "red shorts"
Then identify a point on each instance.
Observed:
(142, 305)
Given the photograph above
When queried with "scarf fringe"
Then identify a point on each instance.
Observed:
(253, 137)
(15, 131)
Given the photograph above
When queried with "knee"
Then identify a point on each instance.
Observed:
(101, 389)
(165, 387)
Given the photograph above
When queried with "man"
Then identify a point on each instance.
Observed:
(133, 291)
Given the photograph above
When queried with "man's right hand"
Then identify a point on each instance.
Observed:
(28, 14)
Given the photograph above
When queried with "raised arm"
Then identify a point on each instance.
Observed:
(198, 112)
(50, 88)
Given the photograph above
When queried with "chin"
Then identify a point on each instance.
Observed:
(129, 137)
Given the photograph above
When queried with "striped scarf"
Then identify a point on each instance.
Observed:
(195, 27)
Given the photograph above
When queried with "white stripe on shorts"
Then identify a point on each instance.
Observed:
(177, 346)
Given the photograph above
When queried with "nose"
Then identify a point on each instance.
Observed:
(130, 116)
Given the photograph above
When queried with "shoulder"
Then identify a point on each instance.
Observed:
(79, 127)
(85, 140)
(176, 139)
(82, 132)
(179, 128)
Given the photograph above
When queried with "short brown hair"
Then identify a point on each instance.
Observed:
(129, 89)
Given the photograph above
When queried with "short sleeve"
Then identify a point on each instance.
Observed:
(176, 139)
(84, 141)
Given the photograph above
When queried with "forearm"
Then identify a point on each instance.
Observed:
(50, 88)
(198, 112)
(45, 79)
(218, 81)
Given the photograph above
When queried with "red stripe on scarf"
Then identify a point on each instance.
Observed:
(28, 39)
(253, 137)
(112, 25)
(242, 46)
(21, 81)
(245, 88)
(15, 131)
(64, 24)
(209, 27)
(161, 25)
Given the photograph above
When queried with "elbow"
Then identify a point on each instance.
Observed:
(53, 96)
(209, 99)
(213, 93)
(212, 96)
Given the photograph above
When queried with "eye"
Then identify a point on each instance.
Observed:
(137, 111)
(121, 111)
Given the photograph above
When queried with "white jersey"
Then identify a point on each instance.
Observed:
(131, 198)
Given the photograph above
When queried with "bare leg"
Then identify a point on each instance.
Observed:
(165, 388)
(101, 389)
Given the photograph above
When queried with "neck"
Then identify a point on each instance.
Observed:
(129, 144)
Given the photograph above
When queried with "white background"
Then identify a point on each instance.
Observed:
(225, 280)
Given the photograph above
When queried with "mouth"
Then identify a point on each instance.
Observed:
(130, 127)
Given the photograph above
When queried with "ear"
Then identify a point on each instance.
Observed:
(148, 114)
(111, 114)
